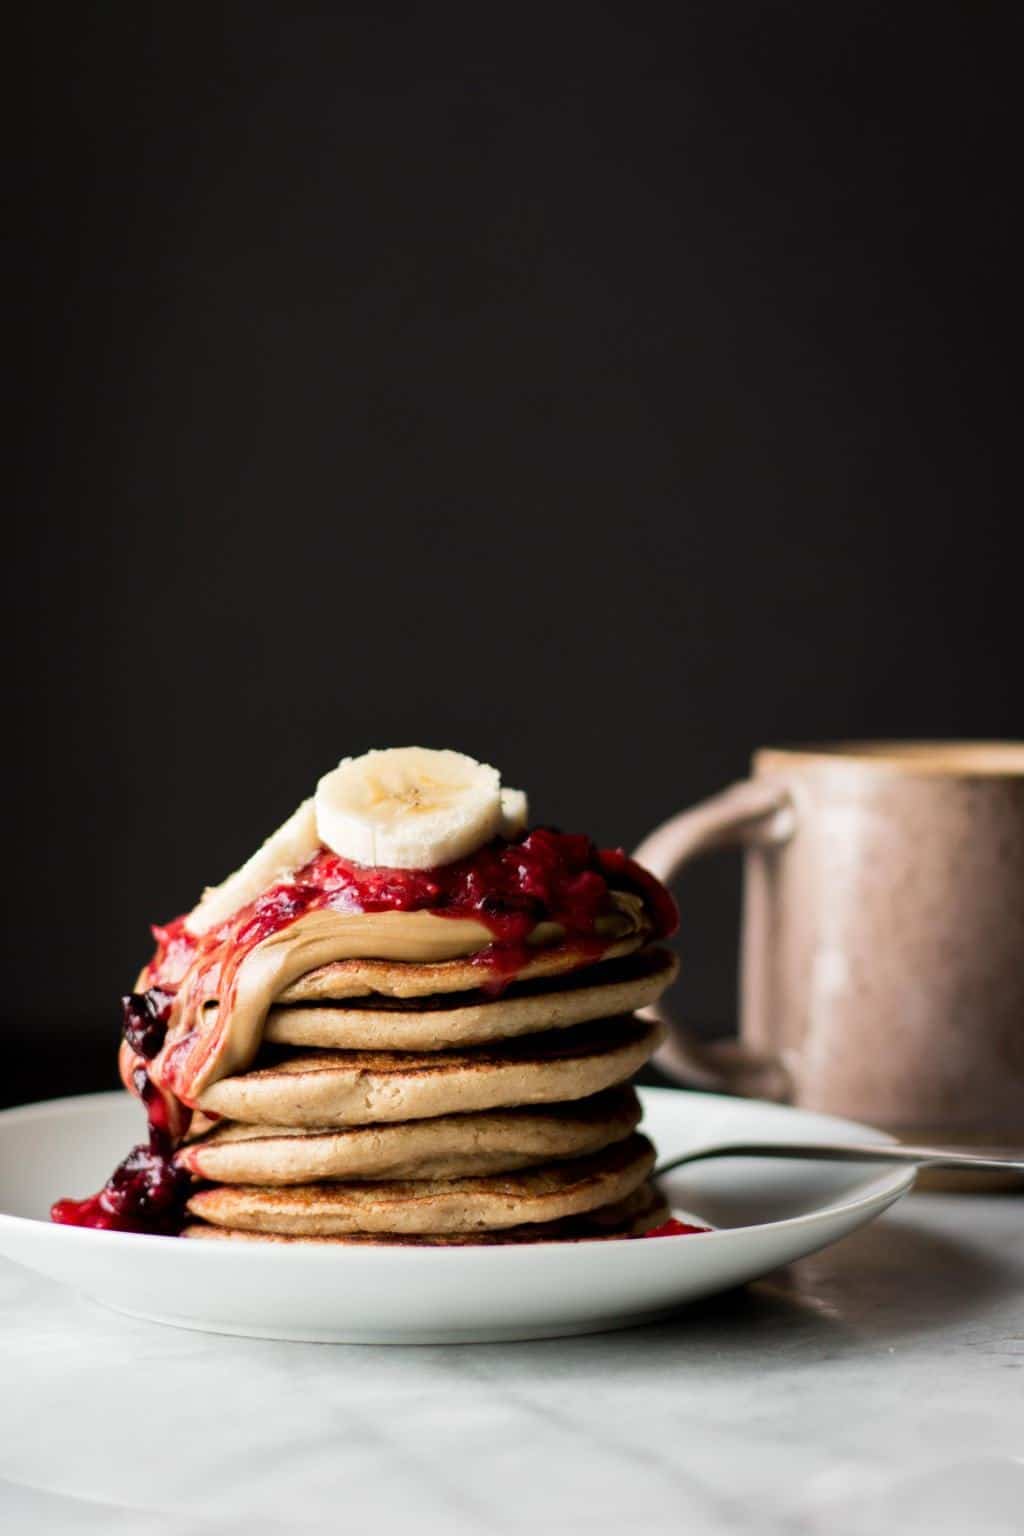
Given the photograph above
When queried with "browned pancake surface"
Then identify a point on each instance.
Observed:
(329, 1088)
(473, 1017)
(640, 1212)
(550, 1193)
(448, 1146)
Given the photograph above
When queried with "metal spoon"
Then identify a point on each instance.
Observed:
(847, 1152)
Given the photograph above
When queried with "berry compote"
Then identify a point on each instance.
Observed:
(146, 1191)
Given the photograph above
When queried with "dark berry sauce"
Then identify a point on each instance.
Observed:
(144, 1020)
(146, 1192)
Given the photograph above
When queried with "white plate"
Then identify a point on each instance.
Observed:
(765, 1213)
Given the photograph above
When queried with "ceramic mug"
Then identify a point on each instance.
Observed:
(882, 956)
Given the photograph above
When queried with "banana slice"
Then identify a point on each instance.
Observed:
(514, 812)
(408, 807)
(285, 850)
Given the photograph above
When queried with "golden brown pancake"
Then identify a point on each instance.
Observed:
(331, 1088)
(449, 1146)
(437, 1023)
(431, 1206)
(397, 978)
(640, 1212)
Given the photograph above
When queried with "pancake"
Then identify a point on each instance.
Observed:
(401, 978)
(543, 1194)
(640, 1212)
(337, 1088)
(450, 1146)
(439, 1022)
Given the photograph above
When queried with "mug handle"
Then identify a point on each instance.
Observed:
(753, 813)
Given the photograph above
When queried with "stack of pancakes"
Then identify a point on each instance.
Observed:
(404, 1103)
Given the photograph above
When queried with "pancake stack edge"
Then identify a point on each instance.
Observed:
(444, 1118)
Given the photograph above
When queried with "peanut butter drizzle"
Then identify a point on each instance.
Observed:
(218, 1015)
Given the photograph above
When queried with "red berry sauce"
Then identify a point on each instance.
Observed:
(674, 1228)
(508, 887)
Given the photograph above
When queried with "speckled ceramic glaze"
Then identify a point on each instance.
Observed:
(883, 933)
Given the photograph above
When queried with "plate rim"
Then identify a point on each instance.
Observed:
(891, 1184)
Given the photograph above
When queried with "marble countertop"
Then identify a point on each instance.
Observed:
(877, 1387)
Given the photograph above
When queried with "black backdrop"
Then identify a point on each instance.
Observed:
(601, 389)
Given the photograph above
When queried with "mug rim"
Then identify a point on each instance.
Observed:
(987, 759)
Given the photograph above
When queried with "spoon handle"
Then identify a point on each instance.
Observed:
(852, 1152)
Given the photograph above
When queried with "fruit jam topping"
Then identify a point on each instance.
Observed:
(508, 887)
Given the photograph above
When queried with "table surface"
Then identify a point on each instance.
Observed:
(873, 1388)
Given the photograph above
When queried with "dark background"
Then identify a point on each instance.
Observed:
(601, 389)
